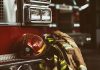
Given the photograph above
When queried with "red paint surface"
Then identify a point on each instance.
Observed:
(10, 34)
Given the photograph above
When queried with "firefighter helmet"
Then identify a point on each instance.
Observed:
(31, 46)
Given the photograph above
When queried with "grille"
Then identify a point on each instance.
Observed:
(1, 11)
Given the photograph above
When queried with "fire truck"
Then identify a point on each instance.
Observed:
(24, 21)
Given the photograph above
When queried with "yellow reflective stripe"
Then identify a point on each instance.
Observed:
(50, 39)
(62, 62)
(64, 67)
(41, 66)
(43, 47)
(55, 58)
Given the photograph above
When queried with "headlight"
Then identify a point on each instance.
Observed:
(37, 15)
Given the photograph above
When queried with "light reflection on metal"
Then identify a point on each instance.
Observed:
(83, 7)
(77, 25)
(25, 67)
(21, 62)
(52, 25)
(41, 1)
(74, 2)
(70, 7)
(88, 38)
(64, 7)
